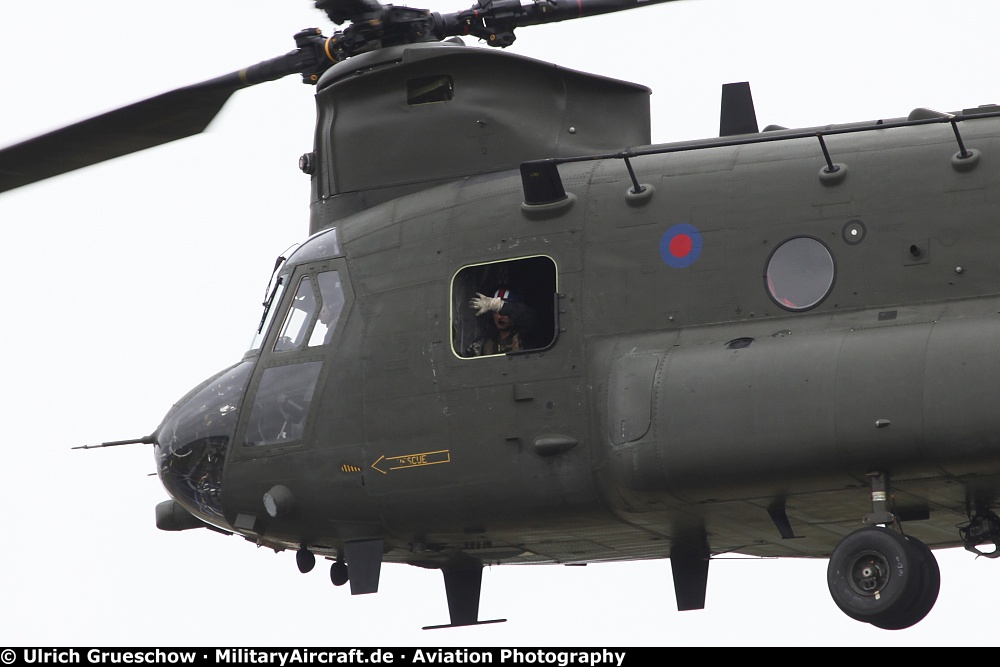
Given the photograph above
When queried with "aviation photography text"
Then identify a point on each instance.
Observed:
(311, 656)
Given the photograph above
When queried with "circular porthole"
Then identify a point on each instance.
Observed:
(799, 273)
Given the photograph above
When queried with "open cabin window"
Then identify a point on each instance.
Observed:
(528, 283)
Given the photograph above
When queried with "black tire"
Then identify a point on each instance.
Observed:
(874, 575)
(338, 573)
(305, 560)
(926, 596)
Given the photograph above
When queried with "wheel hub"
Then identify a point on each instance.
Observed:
(869, 573)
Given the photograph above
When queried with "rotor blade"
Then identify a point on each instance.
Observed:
(542, 12)
(340, 11)
(500, 15)
(151, 122)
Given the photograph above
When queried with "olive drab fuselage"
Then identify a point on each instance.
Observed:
(723, 358)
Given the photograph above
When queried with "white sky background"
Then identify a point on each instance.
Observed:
(130, 282)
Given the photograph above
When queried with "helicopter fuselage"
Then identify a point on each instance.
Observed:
(732, 351)
(667, 392)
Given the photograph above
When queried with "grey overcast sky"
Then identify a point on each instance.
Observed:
(130, 282)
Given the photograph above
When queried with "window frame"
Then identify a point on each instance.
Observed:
(781, 299)
(538, 285)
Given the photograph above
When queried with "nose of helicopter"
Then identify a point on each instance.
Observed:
(192, 441)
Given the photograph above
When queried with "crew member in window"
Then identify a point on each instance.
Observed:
(510, 321)
(328, 315)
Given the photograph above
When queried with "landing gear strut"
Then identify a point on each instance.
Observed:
(877, 575)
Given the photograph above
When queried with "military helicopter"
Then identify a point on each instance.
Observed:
(547, 450)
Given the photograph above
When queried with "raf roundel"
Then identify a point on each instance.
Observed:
(680, 245)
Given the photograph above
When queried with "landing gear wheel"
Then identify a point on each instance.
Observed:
(874, 575)
(926, 596)
(338, 573)
(305, 560)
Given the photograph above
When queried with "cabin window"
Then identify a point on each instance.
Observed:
(799, 273)
(527, 320)
(429, 89)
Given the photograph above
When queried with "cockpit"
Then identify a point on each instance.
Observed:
(265, 400)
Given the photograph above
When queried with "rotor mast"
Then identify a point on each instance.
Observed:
(375, 25)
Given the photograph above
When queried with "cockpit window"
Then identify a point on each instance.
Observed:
(314, 312)
(299, 317)
(322, 245)
(332, 295)
(281, 404)
(191, 443)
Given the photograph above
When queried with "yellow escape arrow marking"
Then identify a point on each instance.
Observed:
(412, 460)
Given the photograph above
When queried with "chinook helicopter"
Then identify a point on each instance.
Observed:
(622, 373)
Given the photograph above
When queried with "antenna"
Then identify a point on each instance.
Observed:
(144, 440)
